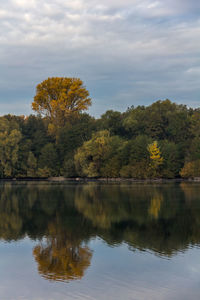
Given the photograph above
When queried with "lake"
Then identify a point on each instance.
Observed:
(99, 241)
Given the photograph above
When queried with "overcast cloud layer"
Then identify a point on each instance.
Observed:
(127, 52)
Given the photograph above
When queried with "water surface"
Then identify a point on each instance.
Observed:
(99, 241)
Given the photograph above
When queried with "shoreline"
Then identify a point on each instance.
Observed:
(101, 179)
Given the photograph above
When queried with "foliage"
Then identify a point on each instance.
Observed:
(159, 140)
(191, 169)
(44, 172)
(95, 158)
(31, 165)
(10, 137)
(172, 162)
(60, 98)
(69, 169)
(155, 158)
(49, 159)
(112, 120)
(136, 162)
(73, 135)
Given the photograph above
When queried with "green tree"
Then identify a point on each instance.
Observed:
(48, 161)
(10, 137)
(92, 157)
(73, 135)
(134, 121)
(195, 123)
(136, 158)
(193, 151)
(112, 121)
(31, 165)
(68, 169)
(34, 130)
(172, 162)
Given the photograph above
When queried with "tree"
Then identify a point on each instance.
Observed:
(60, 98)
(48, 161)
(112, 121)
(171, 159)
(136, 158)
(155, 157)
(31, 165)
(68, 169)
(10, 137)
(193, 152)
(135, 121)
(89, 157)
(34, 130)
(195, 123)
(93, 158)
(73, 135)
(191, 169)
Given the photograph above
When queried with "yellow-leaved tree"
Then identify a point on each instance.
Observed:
(60, 99)
(156, 160)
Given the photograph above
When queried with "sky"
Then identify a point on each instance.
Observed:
(127, 52)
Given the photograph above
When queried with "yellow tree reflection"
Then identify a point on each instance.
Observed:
(61, 258)
(155, 205)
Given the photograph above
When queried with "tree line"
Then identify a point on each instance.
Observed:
(161, 140)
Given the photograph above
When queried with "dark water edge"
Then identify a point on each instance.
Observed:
(102, 179)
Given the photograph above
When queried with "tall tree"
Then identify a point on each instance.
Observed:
(60, 98)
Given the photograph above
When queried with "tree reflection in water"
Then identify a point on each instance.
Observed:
(163, 218)
(61, 263)
(155, 205)
(61, 256)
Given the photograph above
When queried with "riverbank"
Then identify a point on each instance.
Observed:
(86, 179)
(61, 179)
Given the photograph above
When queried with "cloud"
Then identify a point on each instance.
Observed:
(127, 52)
